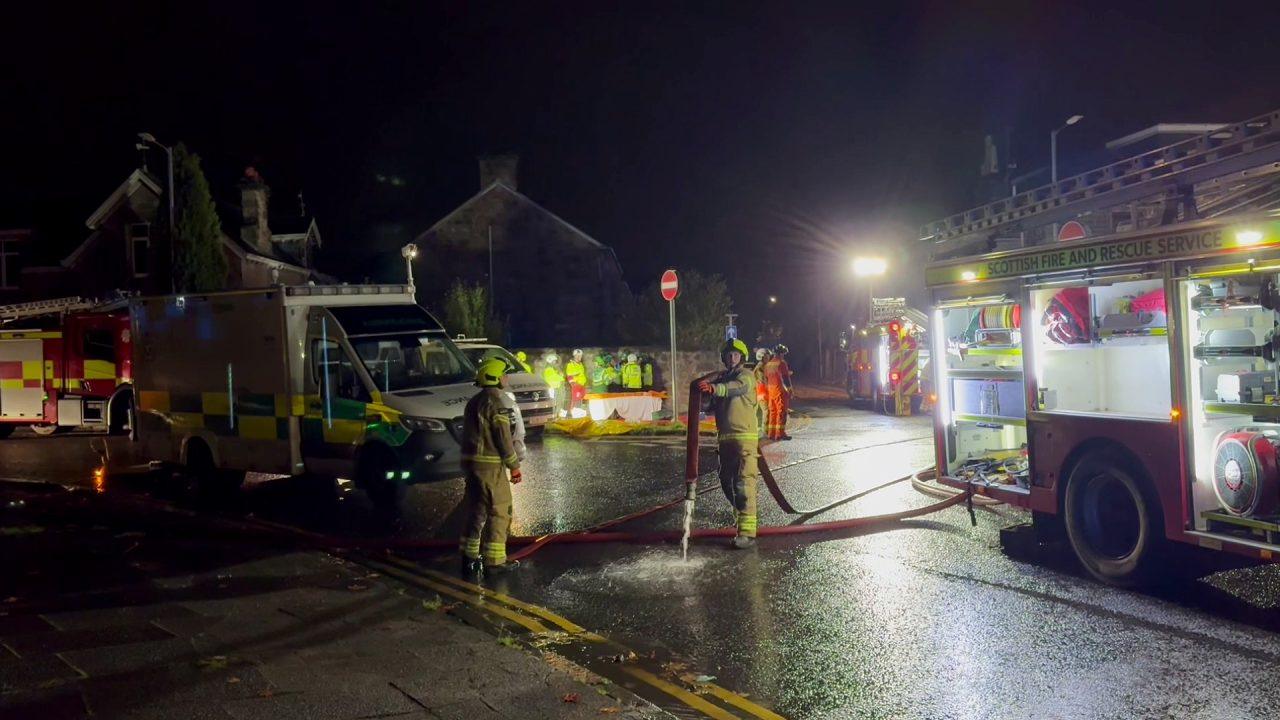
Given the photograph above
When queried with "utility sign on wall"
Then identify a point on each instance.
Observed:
(883, 309)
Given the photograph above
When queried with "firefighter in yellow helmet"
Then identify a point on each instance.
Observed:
(733, 397)
(576, 372)
(632, 373)
(487, 454)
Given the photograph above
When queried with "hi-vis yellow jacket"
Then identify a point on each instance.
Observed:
(486, 431)
(734, 401)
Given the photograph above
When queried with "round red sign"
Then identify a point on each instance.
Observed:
(1072, 230)
(670, 285)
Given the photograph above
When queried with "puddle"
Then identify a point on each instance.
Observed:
(657, 571)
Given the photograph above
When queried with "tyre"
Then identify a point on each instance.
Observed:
(46, 430)
(371, 476)
(120, 420)
(1112, 524)
(6, 429)
(209, 480)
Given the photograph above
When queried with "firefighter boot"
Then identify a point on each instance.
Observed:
(502, 569)
(471, 567)
(742, 542)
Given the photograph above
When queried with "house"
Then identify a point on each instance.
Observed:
(552, 284)
(127, 250)
(13, 246)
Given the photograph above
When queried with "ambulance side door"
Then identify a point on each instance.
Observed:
(333, 423)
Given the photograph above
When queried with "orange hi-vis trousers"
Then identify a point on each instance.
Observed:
(775, 425)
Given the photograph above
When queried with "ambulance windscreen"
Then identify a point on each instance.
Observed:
(385, 319)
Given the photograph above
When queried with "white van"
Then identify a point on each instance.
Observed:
(353, 381)
(532, 394)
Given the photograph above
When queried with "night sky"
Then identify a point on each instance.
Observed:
(685, 134)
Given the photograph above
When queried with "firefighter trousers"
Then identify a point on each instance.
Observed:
(786, 410)
(488, 513)
(776, 423)
(739, 475)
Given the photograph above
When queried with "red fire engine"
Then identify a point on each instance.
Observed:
(65, 364)
(1122, 385)
(888, 364)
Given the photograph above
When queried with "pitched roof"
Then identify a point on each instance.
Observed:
(137, 178)
(501, 186)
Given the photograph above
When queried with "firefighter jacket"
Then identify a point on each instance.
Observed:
(576, 372)
(777, 374)
(554, 379)
(486, 431)
(632, 376)
(648, 374)
(734, 402)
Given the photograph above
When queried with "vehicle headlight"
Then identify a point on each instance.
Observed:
(423, 423)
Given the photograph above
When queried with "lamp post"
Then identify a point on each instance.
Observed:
(409, 252)
(869, 268)
(149, 139)
(1053, 145)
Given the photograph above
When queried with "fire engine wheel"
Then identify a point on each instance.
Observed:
(1113, 527)
(6, 430)
(46, 430)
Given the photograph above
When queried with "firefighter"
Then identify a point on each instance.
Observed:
(487, 454)
(524, 361)
(632, 374)
(784, 372)
(762, 394)
(576, 373)
(646, 368)
(733, 397)
(555, 380)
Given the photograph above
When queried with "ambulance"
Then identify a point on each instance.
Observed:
(1122, 388)
(347, 381)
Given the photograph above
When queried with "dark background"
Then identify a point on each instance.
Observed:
(765, 141)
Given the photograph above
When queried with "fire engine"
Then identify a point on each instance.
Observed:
(888, 364)
(64, 364)
(1121, 385)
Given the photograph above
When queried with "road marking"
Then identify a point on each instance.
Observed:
(476, 595)
(680, 694)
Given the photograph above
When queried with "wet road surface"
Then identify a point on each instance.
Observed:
(928, 619)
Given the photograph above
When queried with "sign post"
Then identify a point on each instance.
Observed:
(670, 287)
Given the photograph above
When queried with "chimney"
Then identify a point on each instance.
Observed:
(253, 209)
(498, 168)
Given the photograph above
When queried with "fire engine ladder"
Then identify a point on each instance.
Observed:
(20, 311)
(1244, 151)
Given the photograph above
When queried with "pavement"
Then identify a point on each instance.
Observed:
(114, 609)
(926, 618)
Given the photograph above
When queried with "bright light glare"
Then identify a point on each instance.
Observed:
(866, 267)
(968, 276)
(773, 299)
(1248, 237)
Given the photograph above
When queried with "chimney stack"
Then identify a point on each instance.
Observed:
(254, 195)
(498, 168)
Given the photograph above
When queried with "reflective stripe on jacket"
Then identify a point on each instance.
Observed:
(734, 401)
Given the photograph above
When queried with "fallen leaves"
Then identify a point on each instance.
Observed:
(610, 710)
(215, 662)
(357, 587)
(571, 697)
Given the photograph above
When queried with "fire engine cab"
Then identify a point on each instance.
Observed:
(64, 364)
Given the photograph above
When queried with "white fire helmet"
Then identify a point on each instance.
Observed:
(632, 358)
(552, 359)
(761, 354)
(577, 355)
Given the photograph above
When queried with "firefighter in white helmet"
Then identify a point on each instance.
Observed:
(632, 373)
(554, 379)
(733, 397)
(576, 372)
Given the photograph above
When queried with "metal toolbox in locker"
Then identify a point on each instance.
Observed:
(993, 398)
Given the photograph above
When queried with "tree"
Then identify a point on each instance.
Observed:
(198, 262)
(700, 314)
(467, 311)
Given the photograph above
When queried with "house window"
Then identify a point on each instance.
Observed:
(8, 265)
(139, 247)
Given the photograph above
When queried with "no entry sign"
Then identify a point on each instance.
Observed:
(670, 285)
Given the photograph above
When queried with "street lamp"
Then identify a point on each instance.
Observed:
(1053, 145)
(869, 268)
(149, 139)
(409, 252)
(773, 299)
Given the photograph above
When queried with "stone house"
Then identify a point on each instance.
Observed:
(552, 283)
(126, 249)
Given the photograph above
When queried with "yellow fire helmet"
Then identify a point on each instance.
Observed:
(490, 372)
(734, 345)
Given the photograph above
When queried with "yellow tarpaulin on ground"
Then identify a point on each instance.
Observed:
(588, 428)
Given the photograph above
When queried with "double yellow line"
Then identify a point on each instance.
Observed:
(541, 622)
